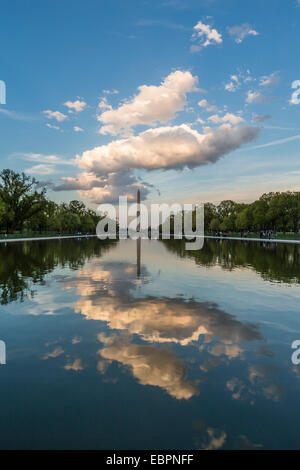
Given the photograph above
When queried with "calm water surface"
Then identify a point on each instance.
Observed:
(190, 351)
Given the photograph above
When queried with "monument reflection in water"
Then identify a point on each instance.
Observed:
(172, 349)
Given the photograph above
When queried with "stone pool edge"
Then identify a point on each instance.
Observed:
(265, 240)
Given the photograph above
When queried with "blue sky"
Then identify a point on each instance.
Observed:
(208, 68)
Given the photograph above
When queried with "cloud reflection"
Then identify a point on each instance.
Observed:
(156, 320)
(151, 366)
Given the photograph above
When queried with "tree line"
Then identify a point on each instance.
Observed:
(276, 211)
(24, 207)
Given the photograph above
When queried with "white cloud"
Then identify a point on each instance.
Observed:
(55, 115)
(269, 80)
(77, 105)
(77, 129)
(151, 105)
(109, 168)
(261, 117)
(110, 92)
(104, 104)
(228, 117)
(85, 181)
(234, 84)
(109, 194)
(166, 148)
(240, 32)
(255, 97)
(44, 164)
(205, 35)
(40, 170)
(100, 189)
(208, 107)
(231, 86)
(237, 80)
(50, 159)
(51, 126)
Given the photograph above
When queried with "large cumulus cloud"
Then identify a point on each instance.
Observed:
(110, 170)
(151, 105)
(170, 147)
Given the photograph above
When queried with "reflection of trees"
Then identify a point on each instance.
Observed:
(25, 264)
(274, 262)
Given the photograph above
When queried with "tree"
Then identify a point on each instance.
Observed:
(244, 219)
(226, 208)
(284, 211)
(215, 224)
(227, 223)
(18, 193)
(77, 207)
(70, 222)
(42, 220)
(260, 209)
(86, 223)
(210, 212)
(2, 211)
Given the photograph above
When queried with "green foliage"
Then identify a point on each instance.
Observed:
(24, 208)
(273, 211)
(2, 211)
(21, 199)
(214, 224)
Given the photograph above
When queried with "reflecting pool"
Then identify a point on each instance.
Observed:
(112, 345)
